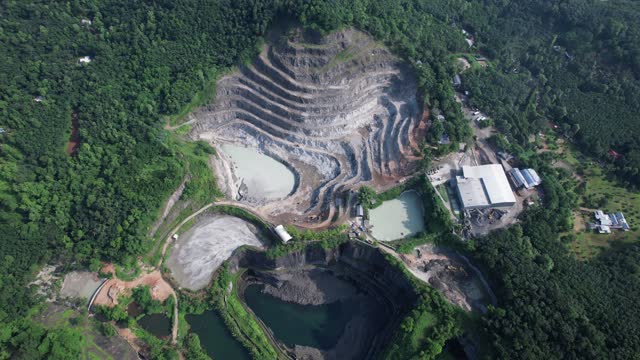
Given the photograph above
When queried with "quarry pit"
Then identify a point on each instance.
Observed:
(338, 111)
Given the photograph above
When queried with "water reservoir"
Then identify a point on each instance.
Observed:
(398, 218)
(264, 176)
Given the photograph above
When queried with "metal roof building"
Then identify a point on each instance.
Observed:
(622, 221)
(532, 177)
(484, 186)
(527, 177)
(518, 179)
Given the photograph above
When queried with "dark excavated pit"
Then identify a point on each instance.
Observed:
(342, 303)
(157, 324)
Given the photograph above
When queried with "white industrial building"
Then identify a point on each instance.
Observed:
(484, 186)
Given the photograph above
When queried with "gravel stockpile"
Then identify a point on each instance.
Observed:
(200, 250)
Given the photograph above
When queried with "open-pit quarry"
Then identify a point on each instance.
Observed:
(334, 303)
(338, 111)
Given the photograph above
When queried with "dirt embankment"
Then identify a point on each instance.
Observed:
(458, 281)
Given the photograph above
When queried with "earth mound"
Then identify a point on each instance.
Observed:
(338, 110)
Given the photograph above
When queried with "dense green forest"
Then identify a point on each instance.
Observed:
(97, 202)
(550, 304)
(574, 62)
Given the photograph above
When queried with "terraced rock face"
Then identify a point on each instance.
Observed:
(339, 111)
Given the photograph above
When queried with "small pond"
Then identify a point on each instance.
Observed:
(134, 310)
(215, 338)
(398, 218)
(318, 326)
(264, 176)
(157, 324)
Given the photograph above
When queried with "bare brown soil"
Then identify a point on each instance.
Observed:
(74, 138)
(108, 295)
(460, 284)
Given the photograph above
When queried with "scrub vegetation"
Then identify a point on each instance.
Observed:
(598, 188)
(68, 335)
(423, 332)
(241, 323)
(326, 239)
(158, 349)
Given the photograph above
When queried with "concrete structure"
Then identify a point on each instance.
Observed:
(282, 233)
(602, 218)
(484, 186)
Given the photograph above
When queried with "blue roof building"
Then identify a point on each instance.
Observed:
(518, 179)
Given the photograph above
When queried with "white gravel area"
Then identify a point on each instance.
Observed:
(202, 249)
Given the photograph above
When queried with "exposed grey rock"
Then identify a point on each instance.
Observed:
(340, 109)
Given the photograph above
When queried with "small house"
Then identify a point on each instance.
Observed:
(606, 222)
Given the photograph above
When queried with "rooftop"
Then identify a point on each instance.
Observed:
(484, 185)
(471, 192)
